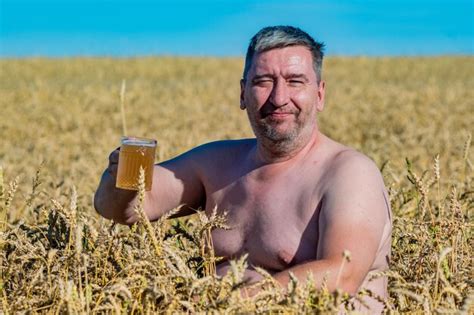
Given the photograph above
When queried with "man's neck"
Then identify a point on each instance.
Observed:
(268, 152)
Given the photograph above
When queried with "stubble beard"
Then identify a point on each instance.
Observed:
(279, 142)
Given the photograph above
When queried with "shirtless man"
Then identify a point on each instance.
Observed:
(295, 198)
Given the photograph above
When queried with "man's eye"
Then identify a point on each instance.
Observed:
(296, 82)
(263, 82)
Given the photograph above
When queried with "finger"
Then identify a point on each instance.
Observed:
(114, 156)
(112, 169)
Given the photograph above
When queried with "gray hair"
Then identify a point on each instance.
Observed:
(272, 37)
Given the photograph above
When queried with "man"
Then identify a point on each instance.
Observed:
(296, 200)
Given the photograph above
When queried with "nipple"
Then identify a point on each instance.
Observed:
(285, 257)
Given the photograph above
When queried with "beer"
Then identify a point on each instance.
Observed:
(135, 152)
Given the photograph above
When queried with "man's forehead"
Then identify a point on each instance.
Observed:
(298, 58)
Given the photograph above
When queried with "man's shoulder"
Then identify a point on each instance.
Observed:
(348, 157)
(227, 147)
(348, 165)
(354, 183)
(220, 153)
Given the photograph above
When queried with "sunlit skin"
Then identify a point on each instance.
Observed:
(296, 200)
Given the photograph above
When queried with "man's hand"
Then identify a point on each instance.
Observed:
(113, 163)
(111, 202)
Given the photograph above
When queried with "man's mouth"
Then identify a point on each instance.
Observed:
(278, 115)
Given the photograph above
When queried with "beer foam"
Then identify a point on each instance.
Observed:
(139, 142)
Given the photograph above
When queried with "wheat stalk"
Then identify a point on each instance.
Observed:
(3, 208)
(142, 215)
(122, 107)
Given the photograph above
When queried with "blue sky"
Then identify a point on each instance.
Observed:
(223, 28)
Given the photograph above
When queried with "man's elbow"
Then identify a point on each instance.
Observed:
(350, 286)
(349, 283)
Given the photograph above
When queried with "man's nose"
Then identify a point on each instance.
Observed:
(280, 94)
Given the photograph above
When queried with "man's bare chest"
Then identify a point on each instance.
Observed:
(275, 223)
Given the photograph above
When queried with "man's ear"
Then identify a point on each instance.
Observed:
(320, 96)
(242, 93)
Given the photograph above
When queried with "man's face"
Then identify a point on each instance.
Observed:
(281, 93)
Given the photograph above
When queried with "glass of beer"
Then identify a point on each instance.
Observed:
(135, 152)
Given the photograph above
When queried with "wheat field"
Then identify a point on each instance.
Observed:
(60, 118)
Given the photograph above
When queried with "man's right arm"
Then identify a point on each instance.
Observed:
(175, 182)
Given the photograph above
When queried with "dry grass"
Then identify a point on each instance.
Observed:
(61, 118)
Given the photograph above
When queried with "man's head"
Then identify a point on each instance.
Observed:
(282, 89)
(272, 37)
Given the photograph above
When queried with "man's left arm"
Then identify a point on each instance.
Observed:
(353, 216)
